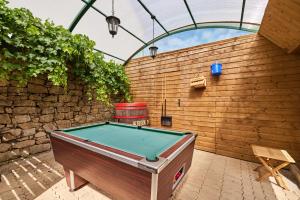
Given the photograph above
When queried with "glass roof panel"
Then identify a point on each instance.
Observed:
(108, 58)
(192, 38)
(252, 27)
(171, 14)
(133, 17)
(216, 10)
(254, 11)
(95, 27)
(61, 12)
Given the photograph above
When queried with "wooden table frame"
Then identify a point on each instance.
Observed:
(265, 155)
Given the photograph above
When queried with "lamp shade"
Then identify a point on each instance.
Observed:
(113, 23)
(153, 51)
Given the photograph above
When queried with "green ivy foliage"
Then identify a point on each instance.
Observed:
(30, 47)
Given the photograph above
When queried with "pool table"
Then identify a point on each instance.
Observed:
(124, 161)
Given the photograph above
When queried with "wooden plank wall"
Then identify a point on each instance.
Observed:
(255, 100)
(281, 24)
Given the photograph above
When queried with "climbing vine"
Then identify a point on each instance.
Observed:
(30, 47)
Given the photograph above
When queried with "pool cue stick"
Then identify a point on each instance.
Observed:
(165, 95)
(162, 97)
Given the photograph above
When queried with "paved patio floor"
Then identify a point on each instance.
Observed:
(210, 177)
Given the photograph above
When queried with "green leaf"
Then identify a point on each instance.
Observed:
(30, 47)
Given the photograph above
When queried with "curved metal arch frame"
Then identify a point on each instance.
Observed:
(218, 24)
(203, 25)
(80, 14)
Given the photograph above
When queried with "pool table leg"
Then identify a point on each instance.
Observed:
(74, 181)
(154, 185)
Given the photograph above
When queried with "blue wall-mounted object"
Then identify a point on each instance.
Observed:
(216, 69)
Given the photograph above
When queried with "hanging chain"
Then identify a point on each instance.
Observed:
(113, 11)
(153, 31)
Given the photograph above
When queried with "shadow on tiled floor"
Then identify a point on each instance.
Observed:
(210, 177)
(27, 178)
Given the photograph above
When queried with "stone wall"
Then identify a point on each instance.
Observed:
(27, 113)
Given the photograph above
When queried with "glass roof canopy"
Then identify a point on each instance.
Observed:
(172, 16)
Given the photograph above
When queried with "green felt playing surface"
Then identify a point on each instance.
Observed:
(145, 141)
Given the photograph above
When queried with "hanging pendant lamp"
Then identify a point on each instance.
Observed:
(113, 22)
(153, 49)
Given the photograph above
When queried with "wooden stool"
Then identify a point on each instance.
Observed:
(265, 155)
